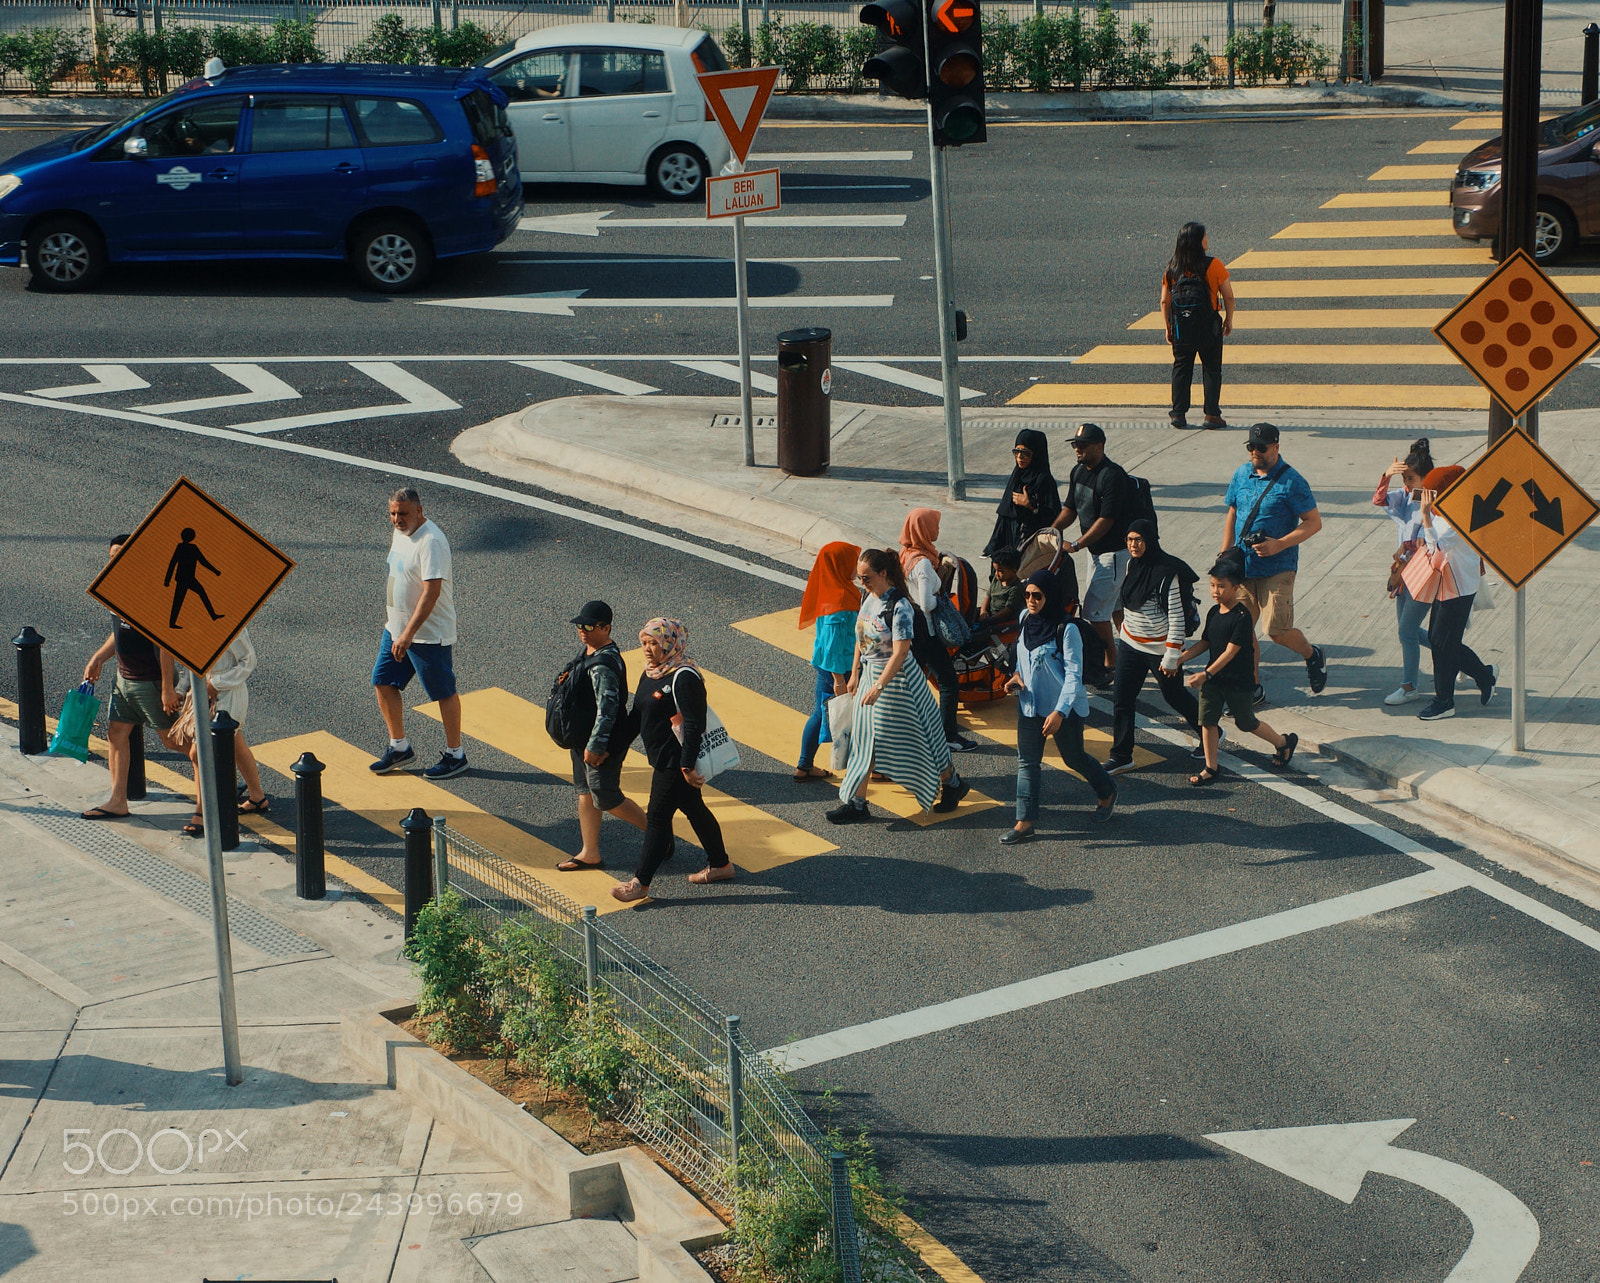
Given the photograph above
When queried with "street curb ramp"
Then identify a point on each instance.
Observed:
(668, 1222)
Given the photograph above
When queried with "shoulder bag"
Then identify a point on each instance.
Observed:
(717, 752)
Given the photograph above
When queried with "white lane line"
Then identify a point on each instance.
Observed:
(440, 358)
(848, 187)
(846, 156)
(107, 378)
(420, 398)
(594, 378)
(620, 527)
(902, 378)
(1110, 971)
(629, 260)
(594, 222)
(262, 387)
(728, 370)
(562, 304)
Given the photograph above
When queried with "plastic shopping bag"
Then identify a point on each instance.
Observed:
(841, 718)
(77, 721)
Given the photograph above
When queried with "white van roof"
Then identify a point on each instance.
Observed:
(616, 35)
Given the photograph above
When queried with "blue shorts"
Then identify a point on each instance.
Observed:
(427, 660)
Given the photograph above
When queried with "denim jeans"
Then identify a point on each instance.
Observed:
(1410, 614)
(816, 731)
(1030, 756)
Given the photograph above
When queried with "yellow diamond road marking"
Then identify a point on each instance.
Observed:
(1385, 200)
(1446, 147)
(1411, 173)
(1281, 354)
(1377, 227)
(1455, 256)
(1371, 396)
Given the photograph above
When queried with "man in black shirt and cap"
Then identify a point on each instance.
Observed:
(1097, 496)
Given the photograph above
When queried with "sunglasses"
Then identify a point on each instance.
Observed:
(589, 628)
(1034, 596)
(1257, 449)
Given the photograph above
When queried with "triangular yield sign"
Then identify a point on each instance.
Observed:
(739, 100)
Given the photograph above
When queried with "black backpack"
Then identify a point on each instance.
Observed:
(1142, 503)
(1191, 608)
(1194, 320)
(570, 711)
(1094, 649)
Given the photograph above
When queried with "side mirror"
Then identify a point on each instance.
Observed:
(135, 147)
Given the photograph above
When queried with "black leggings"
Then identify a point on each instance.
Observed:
(669, 794)
(1447, 624)
(935, 660)
(1183, 355)
(1133, 666)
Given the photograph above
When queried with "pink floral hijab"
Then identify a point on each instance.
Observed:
(674, 639)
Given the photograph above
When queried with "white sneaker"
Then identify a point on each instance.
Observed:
(1401, 696)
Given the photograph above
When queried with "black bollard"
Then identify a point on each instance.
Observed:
(222, 732)
(1591, 64)
(310, 876)
(137, 789)
(32, 739)
(418, 829)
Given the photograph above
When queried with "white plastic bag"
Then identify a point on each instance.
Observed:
(841, 720)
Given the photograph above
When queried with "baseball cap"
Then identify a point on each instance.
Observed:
(593, 612)
(1089, 434)
(1262, 434)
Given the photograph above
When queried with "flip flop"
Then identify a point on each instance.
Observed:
(574, 864)
(815, 773)
(100, 813)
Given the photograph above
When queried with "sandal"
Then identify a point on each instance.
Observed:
(1206, 776)
(573, 864)
(100, 813)
(195, 828)
(1283, 756)
(251, 807)
(806, 775)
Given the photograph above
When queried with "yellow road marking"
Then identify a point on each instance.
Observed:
(1480, 123)
(1371, 227)
(1411, 173)
(1362, 287)
(782, 629)
(385, 800)
(1419, 257)
(1446, 147)
(935, 1255)
(1385, 200)
(756, 839)
(1372, 396)
(1281, 354)
(1321, 318)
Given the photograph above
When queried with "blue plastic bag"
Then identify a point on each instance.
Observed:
(77, 721)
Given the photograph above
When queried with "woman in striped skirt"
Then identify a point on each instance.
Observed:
(897, 729)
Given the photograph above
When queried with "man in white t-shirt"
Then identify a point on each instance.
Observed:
(418, 636)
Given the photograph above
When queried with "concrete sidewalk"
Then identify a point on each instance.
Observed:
(662, 459)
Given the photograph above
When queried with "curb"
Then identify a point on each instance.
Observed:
(69, 111)
(667, 1220)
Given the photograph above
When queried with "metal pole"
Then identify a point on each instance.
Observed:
(441, 855)
(1228, 48)
(766, 16)
(735, 1098)
(310, 871)
(1519, 131)
(845, 1244)
(955, 461)
(1591, 63)
(138, 786)
(223, 729)
(455, 14)
(591, 953)
(210, 808)
(1519, 648)
(742, 288)
(611, 10)
(419, 864)
(438, 20)
(744, 26)
(1366, 42)
(31, 737)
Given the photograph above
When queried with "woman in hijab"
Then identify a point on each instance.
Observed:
(831, 601)
(919, 562)
(1031, 501)
(1154, 634)
(672, 690)
(1447, 624)
(1052, 701)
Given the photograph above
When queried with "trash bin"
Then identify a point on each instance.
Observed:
(805, 380)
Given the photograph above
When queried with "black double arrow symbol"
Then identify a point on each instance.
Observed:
(1486, 508)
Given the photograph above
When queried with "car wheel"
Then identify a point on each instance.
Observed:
(1555, 232)
(678, 172)
(66, 255)
(391, 256)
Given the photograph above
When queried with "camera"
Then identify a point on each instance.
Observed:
(1254, 537)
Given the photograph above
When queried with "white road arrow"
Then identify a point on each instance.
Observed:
(107, 378)
(1336, 1159)
(561, 302)
(591, 222)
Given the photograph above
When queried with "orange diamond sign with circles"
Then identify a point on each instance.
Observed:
(1518, 333)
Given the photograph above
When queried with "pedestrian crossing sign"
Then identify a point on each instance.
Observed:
(191, 576)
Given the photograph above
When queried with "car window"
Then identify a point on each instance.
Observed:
(298, 123)
(708, 56)
(486, 117)
(608, 72)
(1573, 126)
(535, 75)
(393, 122)
(209, 127)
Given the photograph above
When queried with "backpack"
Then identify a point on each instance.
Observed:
(570, 711)
(1191, 608)
(1194, 320)
(1094, 649)
(1142, 503)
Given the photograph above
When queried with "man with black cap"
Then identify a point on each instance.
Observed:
(1097, 496)
(597, 767)
(1281, 514)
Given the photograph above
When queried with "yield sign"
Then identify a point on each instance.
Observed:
(739, 100)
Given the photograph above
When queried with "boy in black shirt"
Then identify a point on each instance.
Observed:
(1227, 682)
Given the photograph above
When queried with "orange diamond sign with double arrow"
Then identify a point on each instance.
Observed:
(738, 99)
(1516, 507)
(1518, 333)
(191, 576)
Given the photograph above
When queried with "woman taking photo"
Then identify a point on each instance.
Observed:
(1447, 624)
(1399, 494)
(919, 560)
(1051, 702)
(831, 601)
(1031, 501)
(896, 729)
(1194, 290)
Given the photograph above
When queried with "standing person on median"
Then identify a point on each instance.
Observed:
(831, 602)
(1052, 701)
(1399, 493)
(145, 694)
(227, 691)
(1099, 497)
(896, 729)
(669, 710)
(919, 560)
(1281, 514)
(419, 637)
(597, 766)
(1447, 624)
(1031, 501)
(1194, 290)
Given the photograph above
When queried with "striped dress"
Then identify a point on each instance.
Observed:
(901, 734)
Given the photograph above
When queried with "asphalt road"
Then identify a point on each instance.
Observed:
(1061, 1140)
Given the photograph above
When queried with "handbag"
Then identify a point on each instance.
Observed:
(948, 625)
(1428, 577)
(841, 723)
(77, 720)
(718, 753)
(1237, 553)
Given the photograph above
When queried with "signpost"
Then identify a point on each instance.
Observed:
(1520, 336)
(190, 578)
(738, 99)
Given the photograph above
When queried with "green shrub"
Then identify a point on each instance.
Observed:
(462, 46)
(391, 40)
(860, 43)
(735, 44)
(811, 50)
(241, 46)
(768, 40)
(43, 55)
(1278, 52)
(293, 41)
(450, 966)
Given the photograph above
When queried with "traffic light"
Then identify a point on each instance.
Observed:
(899, 63)
(955, 61)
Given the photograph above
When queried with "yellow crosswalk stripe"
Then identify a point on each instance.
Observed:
(1330, 230)
(1411, 173)
(1455, 256)
(385, 799)
(1446, 146)
(1385, 200)
(1321, 318)
(1368, 396)
(1480, 123)
(756, 839)
(781, 629)
(1361, 287)
(1280, 354)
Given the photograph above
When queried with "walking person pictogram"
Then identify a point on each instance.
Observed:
(186, 559)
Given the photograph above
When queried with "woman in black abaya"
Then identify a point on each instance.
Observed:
(1031, 501)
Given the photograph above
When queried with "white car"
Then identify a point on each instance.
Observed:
(613, 102)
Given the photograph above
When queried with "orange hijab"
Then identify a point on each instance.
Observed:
(831, 586)
(917, 538)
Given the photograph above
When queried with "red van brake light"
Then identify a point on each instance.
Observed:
(483, 172)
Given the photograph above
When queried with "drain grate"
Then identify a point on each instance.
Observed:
(245, 921)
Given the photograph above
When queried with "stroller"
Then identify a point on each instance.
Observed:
(981, 676)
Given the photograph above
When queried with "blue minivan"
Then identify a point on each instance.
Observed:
(386, 167)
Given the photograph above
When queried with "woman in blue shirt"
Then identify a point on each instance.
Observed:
(1051, 702)
(831, 600)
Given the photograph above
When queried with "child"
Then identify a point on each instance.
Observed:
(1002, 604)
(1227, 681)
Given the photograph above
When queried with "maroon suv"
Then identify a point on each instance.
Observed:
(1569, 186)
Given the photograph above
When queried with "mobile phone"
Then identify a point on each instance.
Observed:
(1417, 494)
